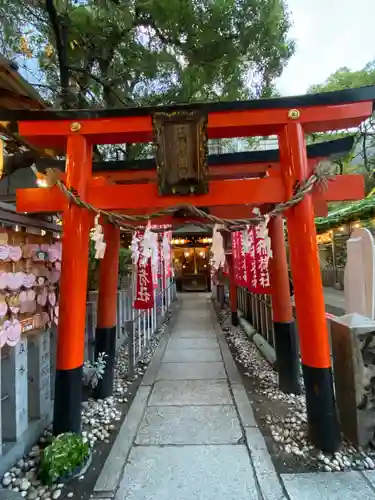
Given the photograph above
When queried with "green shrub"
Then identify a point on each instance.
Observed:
(63, 457)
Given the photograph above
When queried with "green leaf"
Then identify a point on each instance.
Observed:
(66, 452)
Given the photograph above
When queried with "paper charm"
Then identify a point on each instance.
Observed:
(146, 244)
(134, 247)
(98, 237)
(217, 249)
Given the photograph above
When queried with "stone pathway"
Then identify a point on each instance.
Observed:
(191, 433)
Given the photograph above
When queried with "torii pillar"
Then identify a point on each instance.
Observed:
(105, 337)
(313, 333)
(73, 291)
(286, 347)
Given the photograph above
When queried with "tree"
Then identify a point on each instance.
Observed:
(120, 53)
(362, 158)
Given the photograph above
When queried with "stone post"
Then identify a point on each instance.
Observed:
(14, 405)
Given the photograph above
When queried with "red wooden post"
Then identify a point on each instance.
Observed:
(105, 338)
(73, 292)
(314, 343)
(282, 312)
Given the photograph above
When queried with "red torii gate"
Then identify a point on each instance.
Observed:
(75, 132)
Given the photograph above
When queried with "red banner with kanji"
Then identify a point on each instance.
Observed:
(144, 298)
(257, 262)
(238, 257)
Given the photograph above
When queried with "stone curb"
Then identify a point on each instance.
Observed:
(269, 481)
(230, 366)
(267, 351)
(111, 474)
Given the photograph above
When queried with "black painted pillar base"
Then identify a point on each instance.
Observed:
(221, 296)
(287, 358)
(105, 341)
(67, 403)
(324, 429)
(234, 318)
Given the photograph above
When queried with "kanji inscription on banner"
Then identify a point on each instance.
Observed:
(145, 290)
(257, 262)
(239, 260)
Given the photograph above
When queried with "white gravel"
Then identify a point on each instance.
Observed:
(290, 432)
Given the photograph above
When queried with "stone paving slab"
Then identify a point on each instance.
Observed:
(370, 476)
(327, 486)
(201, 328)
(212, 472)
(193, 343)
(180, 425)
(191, 371)
(189, 332)
(190, 392)
(191, 355)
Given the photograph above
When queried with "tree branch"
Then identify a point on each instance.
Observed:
(106, 86)
(60, 29)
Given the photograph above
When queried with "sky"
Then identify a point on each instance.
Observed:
(329, 34)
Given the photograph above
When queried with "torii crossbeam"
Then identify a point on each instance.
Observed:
(75, 132)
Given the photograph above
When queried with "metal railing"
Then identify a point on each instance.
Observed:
(144, 324)
(257, 309)
(134, 327)
(333, 278)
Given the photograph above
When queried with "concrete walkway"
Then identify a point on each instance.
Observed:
(191, 434)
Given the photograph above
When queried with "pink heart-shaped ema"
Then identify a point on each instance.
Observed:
(24, 307)
(15, 280)
(4, 252)
(52, 298)
(42, 298)
(3, 337)
(6, 326)
(29, 280)
(3, 280)
(3, 309)
(58, 265)
(14, 333)
(53, 254)
(15, 253)
(32, 306)
(54, 276)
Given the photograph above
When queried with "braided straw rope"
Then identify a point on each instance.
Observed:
(318, 179)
